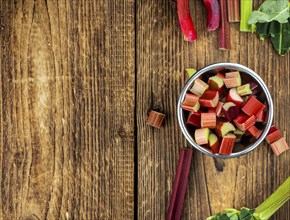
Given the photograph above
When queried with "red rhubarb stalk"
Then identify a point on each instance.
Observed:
(224, 28)
(185, 20)
(213, 14)
(233, 10)
(179, 186)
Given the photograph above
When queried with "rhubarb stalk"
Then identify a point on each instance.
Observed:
(263, 211)
(246, 10)
(274, 202)
(213, 14)
(179, 186)
(224, 28)
(233, 10)
(185, 20)
(155, 119)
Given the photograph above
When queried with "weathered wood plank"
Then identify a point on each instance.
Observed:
(213, 185)
(67, 109)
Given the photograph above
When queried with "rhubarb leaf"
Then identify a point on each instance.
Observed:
(263, 30)
(280, 36)
(271, 10)
(224, 217)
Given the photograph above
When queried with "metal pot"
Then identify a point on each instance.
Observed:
(215, 67)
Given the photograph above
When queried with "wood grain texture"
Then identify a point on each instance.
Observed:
(67, 109)
(78, 79)
(214, 184)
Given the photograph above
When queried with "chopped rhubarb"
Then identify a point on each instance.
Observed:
(233, 10)
(185, 20)
(213, 14)
(223, 128)
(239, 134)
(253, 106)
(155, 119)
(230, 110)
(208, 120)
(211, 110)
(223, 92)
(227, 144)
(260, 116)
(273, 136)
(233, 79)
(234, 97)
(220, 75)
(218, 110)
(190, 72)
(244, 90)
(243, 122)
(234, 74)
(254, 88)
(214, 143)
(201, 136)
(190, 103)
(272, 129)
(224, 28)
(199, 87)
(179, 186)
(215, 83)
(194, 119)
(209, 99)
(254, 131)
(279, 146)
(245, 99)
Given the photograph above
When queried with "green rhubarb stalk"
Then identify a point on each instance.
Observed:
(246, 11)
(263, 211)
(274, 202)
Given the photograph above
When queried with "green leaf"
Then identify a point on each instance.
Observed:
(271, 10)
(232, 210)
(251, 211)
(212, 218)
(234, 217)
(224, 217)
(245, 214)
(280, 36)
(263, 30)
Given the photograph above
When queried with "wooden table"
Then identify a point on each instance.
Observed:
(77, 81)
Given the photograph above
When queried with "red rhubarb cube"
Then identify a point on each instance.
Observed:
(208, 120)
(227, 145)
(279, 146)
(194, 119)
(253, 106)
(210, 98)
